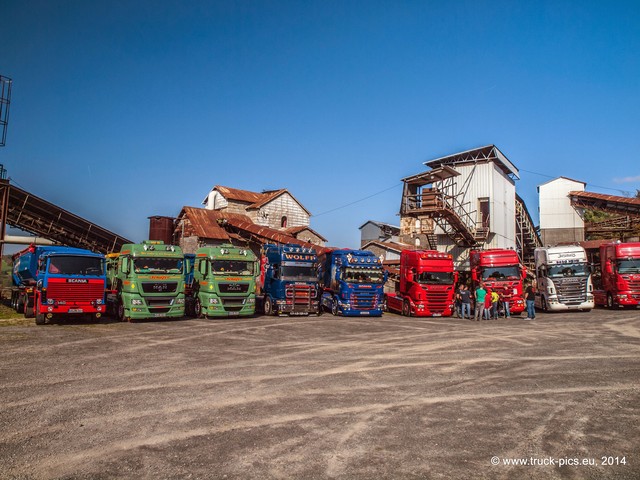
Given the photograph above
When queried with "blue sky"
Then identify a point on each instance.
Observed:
(126, 109)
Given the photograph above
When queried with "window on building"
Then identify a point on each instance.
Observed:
(484, 211)
(283, 222)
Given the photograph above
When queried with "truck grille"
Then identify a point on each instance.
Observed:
(75, 292)
(233, 287)
(159, 287)
(233, 304)
(572, 291)
(367, 300)
(300, 295)
(437, 302)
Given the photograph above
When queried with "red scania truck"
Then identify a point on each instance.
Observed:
(619, 283)
(500, 270)
(426, 284)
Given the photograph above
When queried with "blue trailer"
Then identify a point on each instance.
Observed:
(352, 282)
(52, 281)
(289, 280)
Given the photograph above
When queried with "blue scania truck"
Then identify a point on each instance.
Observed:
(289, 280)
(58, 281)
(352, 282)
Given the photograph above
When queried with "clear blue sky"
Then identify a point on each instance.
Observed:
(126, 109)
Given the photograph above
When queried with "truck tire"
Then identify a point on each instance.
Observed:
(334, 307)
(40, 319)
(121, 312)
(406, 308)
(28, 310)
(268, 306)
(197, 308)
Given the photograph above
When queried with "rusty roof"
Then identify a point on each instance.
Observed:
(254, 199)
(264, 233)
(395, 246)
(205, 222)
(608, 203)
(293, 231)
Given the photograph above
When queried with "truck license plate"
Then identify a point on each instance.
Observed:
(159, 314)
(75, 310)
(437, 314)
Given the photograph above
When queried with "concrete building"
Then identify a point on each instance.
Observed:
(373, 231)
(560, 222)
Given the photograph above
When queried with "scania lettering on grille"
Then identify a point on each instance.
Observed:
(77, 280)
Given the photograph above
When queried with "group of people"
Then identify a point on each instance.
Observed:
(489, 304)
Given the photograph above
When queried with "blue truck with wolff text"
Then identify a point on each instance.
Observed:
(57, 281)
(352, 282)
(289, 280)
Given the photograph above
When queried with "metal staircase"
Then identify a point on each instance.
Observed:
(442, 205)
(527, 235)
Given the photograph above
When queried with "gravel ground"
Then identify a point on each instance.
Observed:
(323, 397)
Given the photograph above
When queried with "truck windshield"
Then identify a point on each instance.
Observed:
(569, 270)
(72, 265)
(157, 265)
(501, 273)
(237, 267)
(434, 278)
(630, 265)
(298, 273)
(362, 275)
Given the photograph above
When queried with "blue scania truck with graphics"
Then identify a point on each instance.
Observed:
(289, 280)
(223, 282)
(351, 282)
(56, 281)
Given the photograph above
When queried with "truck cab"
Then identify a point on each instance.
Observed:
(147, 281)
(224, 282)
(425, 286)
(619, 284)
(563, 277)
(351, 282)
(289, 280)
(500, 270)
(58, 281)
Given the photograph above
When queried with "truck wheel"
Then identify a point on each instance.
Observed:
(197, 308)
(406, 308)
(40, 318)
(268, 306)
(121, 317)
(28, 311)
(334, 307)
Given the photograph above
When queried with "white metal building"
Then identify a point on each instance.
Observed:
(559, 220)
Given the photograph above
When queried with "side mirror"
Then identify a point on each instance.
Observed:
(455, 277)
(474, 275)
(126, 266)
(409, 275)
(608, 267)
(524, 272)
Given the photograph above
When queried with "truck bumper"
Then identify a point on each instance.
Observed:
(216, 306)
(294, 310)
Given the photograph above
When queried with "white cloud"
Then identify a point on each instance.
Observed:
(627, 179)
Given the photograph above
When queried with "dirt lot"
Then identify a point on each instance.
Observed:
(323, 397)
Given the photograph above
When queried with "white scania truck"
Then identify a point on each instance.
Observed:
(563, 278)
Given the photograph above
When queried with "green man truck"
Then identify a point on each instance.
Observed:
(146, 280)
(224, 282)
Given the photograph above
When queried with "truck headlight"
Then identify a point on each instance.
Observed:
(213, 301)
(251, 300)
(136, 301)
(180, 301)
